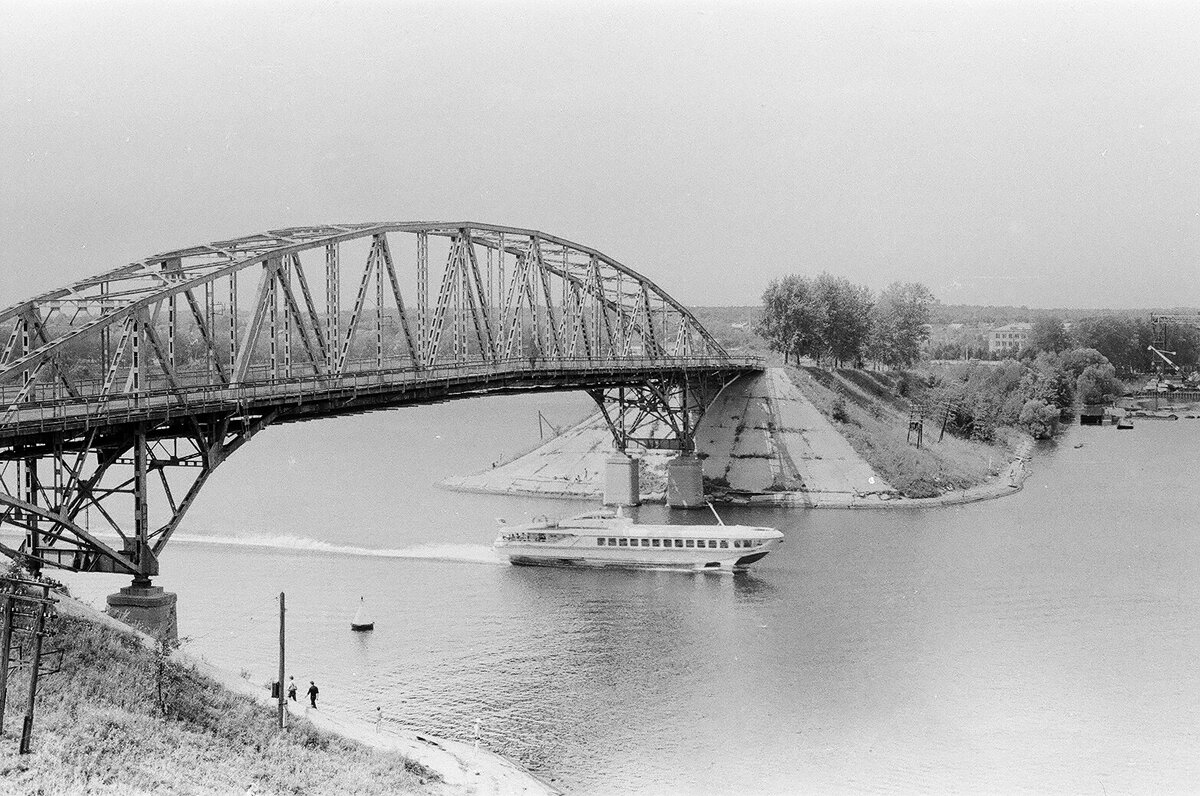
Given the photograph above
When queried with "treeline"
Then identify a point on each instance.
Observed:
(1033, 394)
(833, 321)
(1002, 314)
(1123, 340)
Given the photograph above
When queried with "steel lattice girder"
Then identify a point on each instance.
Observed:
(111, 479)
(677, 403)
(136, 295)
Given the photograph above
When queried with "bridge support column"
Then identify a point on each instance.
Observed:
(621, 487)
(685, 482)
(148, 608)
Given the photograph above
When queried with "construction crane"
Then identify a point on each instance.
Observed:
(1159, 384)
(1159, 324)
(1163, 356)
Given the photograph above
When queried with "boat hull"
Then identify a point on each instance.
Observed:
(619, 544)
(708, 566)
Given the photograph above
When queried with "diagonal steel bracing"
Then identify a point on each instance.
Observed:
(121, 393)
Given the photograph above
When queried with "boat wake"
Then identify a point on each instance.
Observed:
(465, 553)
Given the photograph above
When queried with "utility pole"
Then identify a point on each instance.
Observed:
(39, 630)
(5, 644)
(26, 615)
(282, 696)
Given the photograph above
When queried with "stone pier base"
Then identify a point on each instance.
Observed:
(621, 486)
(685, 482)
(148, 608)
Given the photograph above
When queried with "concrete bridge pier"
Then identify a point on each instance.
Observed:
(621, 486)
(685, 482)
(146, 607)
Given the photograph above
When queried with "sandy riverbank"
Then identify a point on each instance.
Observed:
(460, 765)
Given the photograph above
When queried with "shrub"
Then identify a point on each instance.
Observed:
(1040, 418)
(837, 410)
(1098, 384)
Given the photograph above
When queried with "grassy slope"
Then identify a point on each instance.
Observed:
(99, 728)
(876, 425)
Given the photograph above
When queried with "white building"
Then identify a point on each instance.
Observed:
(1009, 338)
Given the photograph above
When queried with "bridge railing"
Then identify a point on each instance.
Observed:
(55, 412)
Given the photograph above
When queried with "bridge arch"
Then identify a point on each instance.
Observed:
(499, 292)
(170, 364)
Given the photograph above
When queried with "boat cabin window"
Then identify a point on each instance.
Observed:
(623, 542)
(600, 541)
(612, 541)
(712, 542)
(690, 543)
(679, 543)
(645, 543)
(724, 543)
(654, 543)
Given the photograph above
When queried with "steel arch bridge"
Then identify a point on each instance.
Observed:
(121, 393)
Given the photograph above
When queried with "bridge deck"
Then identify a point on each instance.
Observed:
(308, 397)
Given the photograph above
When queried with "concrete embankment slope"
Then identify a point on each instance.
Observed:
(761, 440)
(762, 436)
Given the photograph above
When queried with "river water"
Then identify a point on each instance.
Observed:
(1044, 642)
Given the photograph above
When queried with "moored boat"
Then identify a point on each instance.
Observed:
(602, 539)
(362, 620)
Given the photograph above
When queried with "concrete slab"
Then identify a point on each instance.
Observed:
(760, 435)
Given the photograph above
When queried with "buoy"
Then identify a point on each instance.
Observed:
(361, 620)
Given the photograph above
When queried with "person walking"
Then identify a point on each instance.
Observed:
(312, 693)
(378, 717)
(291, 692)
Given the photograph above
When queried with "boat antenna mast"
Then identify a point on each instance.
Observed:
(715, 514)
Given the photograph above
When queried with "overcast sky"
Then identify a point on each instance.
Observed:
(1045, 154)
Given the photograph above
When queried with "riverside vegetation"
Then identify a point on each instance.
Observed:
(119, 718)
(979, 411)
(988, 410)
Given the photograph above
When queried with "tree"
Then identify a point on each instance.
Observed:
(1040, 418)
(900, 323)
(1098, 384)
(1048, 381)
(845, 311)
(1116, 338)
(1049, 334)
(1079, 359)
(791, 317)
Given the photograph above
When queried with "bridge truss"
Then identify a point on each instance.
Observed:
(121, 393)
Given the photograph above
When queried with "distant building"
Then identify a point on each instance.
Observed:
(1010, 337)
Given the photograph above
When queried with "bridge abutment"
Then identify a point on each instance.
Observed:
(148, 608)
(621, 483)
(685, 482)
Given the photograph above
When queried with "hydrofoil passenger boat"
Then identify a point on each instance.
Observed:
(604, 539)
